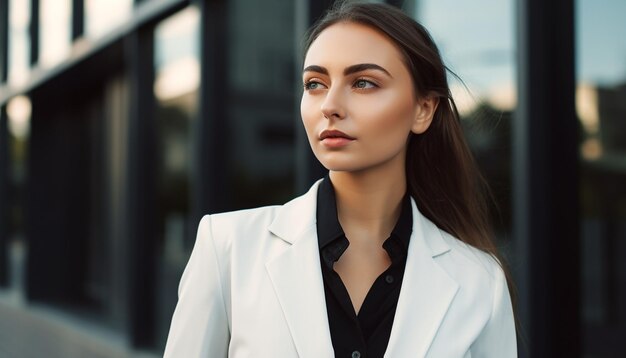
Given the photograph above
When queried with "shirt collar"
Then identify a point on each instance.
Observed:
(329, 228)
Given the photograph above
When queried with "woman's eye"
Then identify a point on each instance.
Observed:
(312, 85)
(364, 84)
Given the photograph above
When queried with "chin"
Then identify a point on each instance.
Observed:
(342, 165)
(360, 164)
(345, 169)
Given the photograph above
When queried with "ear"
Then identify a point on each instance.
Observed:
(425, 108)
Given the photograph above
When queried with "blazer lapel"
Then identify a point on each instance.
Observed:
(297, 278)
(427, 292)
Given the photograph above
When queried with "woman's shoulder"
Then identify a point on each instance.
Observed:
(243, 216)
(457, 257)
(237, 234)
(239, 222)
(471, 262)
(291, 217)
(303, 204)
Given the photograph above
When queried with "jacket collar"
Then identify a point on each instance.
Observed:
(297, 277)
(426, 294)
(296, 216)
(427, 290)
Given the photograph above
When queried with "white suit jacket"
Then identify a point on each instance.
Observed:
(253, 288)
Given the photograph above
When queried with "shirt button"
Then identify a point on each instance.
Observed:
(356, 354)
(389, 278)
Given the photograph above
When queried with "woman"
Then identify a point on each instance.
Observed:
(390, 254)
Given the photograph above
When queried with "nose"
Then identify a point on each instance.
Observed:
(333, 106)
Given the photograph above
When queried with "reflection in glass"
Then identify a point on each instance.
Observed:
(54, 30)
(260, 104)
(19, 41)
(477, 43)
(19, 114)
(176, 86)
(103, 15)
(601, 109)
(18, 111)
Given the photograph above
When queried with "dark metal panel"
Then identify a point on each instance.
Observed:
(57, 217)
(78, 19)
(545, 157)
(207, 178)
(40, 229)
(139, 47)
(5, 200)
(34, 32)
(4, 146)
(4, 40)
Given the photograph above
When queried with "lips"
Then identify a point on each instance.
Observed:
(333, 133)
(334, 139)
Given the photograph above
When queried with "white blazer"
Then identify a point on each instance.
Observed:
(253, 288)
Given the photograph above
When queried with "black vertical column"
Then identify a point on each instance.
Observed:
(5, 200)
(34, 32)
(209, 128)
(57, 199)
(141, 187)
(4, 40)
(4, 145)
(545, 154)
(78, 19)
(308, 168)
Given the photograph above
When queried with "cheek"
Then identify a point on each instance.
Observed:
(306, 113)
(389, 116)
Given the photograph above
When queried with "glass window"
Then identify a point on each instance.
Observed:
(477, 42)
(261, 97)
(103, 15)
(176, 88)
(55, 18)
(601, 109)
(478, 45)
(18, 112)
(19, 42)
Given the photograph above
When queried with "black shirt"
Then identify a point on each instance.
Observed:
(366, 334)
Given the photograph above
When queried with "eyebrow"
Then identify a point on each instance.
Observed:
(349, 70)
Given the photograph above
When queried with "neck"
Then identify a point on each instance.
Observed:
(369, 201)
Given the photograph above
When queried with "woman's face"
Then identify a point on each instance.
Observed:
(359, 104)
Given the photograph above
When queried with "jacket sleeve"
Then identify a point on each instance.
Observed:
(199, 325)
(498, 337)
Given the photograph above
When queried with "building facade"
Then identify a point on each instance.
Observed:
(123, 122)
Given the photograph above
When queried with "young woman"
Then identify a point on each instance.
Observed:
(390, 254)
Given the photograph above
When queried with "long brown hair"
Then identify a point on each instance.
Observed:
(442, 175)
